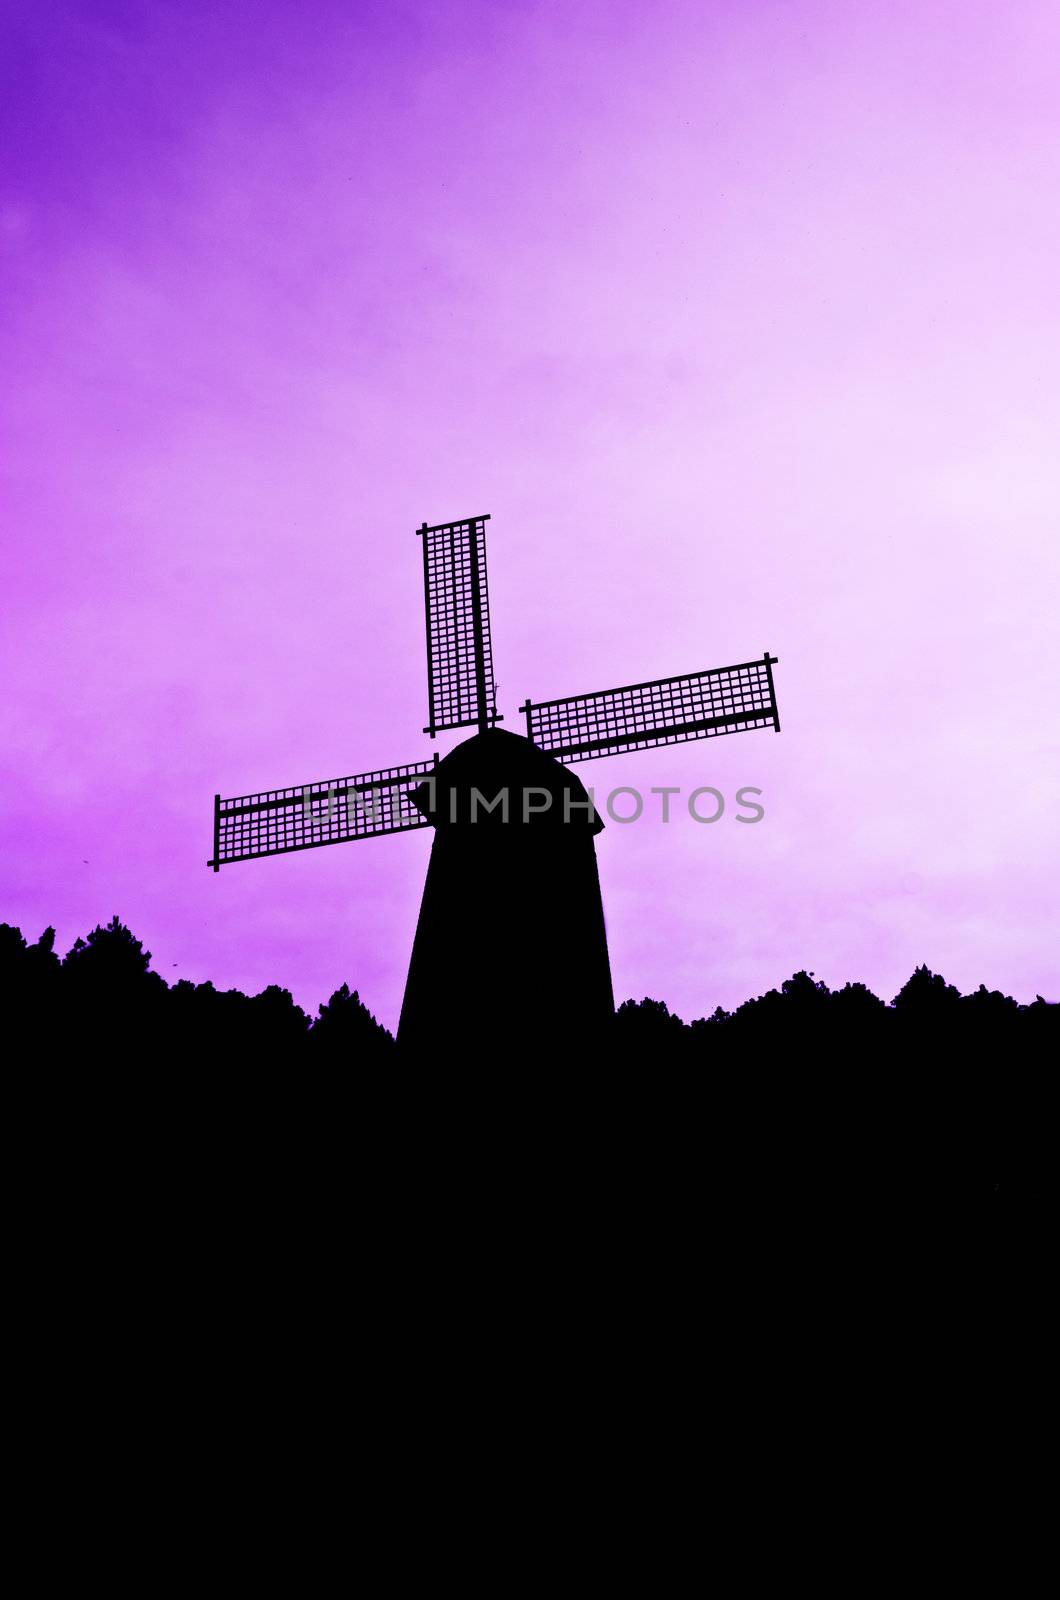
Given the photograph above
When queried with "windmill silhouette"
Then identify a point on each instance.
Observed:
(510, 942)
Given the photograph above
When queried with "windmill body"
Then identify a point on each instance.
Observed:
(510, 944)
(510, 939)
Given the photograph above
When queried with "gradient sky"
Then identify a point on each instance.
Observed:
(743, 322)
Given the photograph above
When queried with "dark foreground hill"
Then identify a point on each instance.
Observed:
(729, 1237)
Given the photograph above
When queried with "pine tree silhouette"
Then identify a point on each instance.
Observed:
(346, 1028)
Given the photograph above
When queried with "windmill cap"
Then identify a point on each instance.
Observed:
(540, 790)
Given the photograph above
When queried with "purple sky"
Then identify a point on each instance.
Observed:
(741, 319)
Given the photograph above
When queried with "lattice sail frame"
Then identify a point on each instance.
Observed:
(641, 716)
(304, 816)
(460, 686)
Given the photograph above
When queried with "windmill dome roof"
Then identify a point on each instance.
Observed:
(498, 760)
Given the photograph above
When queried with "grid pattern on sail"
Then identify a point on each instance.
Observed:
(457, 600)
(667, 711)
(306, 815)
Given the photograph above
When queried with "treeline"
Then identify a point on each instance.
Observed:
(103, 995)
(927, 1013)
(804, 1115)
(104, 991)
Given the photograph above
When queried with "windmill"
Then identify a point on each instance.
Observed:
(510, 940)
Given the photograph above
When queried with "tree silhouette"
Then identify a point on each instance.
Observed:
(925, 995)
(111, 955)
(346, 1028)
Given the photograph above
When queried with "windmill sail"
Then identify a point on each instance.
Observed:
(641, 716)
(311, 814)
(460, 687)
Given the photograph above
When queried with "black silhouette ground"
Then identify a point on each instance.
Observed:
(751, 1239)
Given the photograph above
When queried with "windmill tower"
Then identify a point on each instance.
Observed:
(510, 946)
